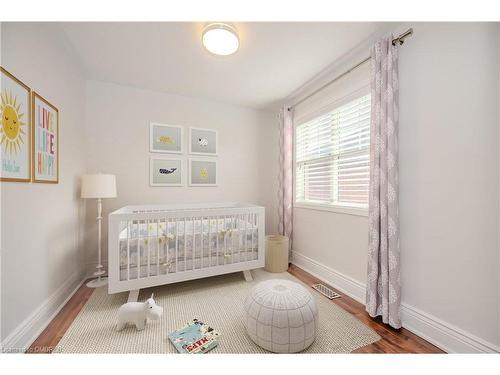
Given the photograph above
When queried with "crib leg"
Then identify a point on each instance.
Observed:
(133, 295)
(247, 274)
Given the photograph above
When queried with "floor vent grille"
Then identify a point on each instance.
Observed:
(326, 291)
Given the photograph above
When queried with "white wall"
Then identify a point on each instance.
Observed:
(449, 188)
(41, 244)
(498, 27)
(449, 191)
(117, 123)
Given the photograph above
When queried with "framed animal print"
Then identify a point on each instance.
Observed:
(165, 171)
(202, 141)
(45, 140)
(15, 129)
(202, 172)
(165, 138)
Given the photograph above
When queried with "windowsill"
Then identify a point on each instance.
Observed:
(357, 211)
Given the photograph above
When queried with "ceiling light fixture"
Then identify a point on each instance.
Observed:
(220, 39)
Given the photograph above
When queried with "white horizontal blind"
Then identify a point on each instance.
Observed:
(332, 154)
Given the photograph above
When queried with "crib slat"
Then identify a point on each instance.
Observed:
(254, 229)
(176, 243)
(185, 243)
(217, 238)
(225, 238)
(246, 235)
(158, 247)
(193, 243)
(201, 242)
(128, 249)
(202, 260)
(209, 242)
(241, 238)
(149, 249)
(167, 248)
(233, 229)
(138, 250)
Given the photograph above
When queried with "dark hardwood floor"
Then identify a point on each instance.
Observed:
(49, 338)
(392, 340)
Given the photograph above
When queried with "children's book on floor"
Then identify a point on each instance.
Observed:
(195, 337)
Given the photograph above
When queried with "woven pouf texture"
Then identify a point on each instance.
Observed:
(281, 316)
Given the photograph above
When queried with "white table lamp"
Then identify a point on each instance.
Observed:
(98, 186)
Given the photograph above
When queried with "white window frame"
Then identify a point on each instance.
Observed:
(336, 208)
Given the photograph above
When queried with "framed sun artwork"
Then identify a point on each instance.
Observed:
(15, 129)
(45, 140)
(202, 172)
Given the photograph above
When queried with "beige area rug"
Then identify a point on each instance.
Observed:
(217, 301)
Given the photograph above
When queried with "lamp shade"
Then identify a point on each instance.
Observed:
(98, 186)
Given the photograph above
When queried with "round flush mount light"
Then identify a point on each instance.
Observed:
(220, 39)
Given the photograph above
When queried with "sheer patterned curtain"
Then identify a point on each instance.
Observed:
(383, 293)
(285, 185)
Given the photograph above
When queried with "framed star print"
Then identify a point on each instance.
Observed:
(202, 172)
(15, 129)
(165, 138)
(45, 140)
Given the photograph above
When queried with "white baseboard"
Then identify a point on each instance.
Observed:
(347, 285)
(23, 336)
(438, 332)
(443, 334)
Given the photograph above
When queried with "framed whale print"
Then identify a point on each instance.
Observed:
(45, 140)
(202, 141)
(165, 138)
(15, 129)
(165, 171)
(202, 172)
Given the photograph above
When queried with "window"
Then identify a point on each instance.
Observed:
(332, 157)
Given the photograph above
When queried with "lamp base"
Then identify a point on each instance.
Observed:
(97, 283)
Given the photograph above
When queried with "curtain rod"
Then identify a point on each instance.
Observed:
(399, 40)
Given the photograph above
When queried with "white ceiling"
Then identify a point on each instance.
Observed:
(273, 60)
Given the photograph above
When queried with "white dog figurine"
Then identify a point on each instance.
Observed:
(138, 313)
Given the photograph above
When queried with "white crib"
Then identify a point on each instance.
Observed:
(156, 245)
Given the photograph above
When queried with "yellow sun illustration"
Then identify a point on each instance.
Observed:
(11, 125)
(204, 173)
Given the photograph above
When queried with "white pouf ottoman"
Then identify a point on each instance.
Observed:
(281, 316)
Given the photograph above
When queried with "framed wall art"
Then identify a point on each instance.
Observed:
(165, 171)
(45, 140)
(15, 129)
(202, 141)
(166, 138)
(202, 172)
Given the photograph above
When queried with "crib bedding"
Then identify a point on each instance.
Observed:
(230, 239)
(153, 228)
